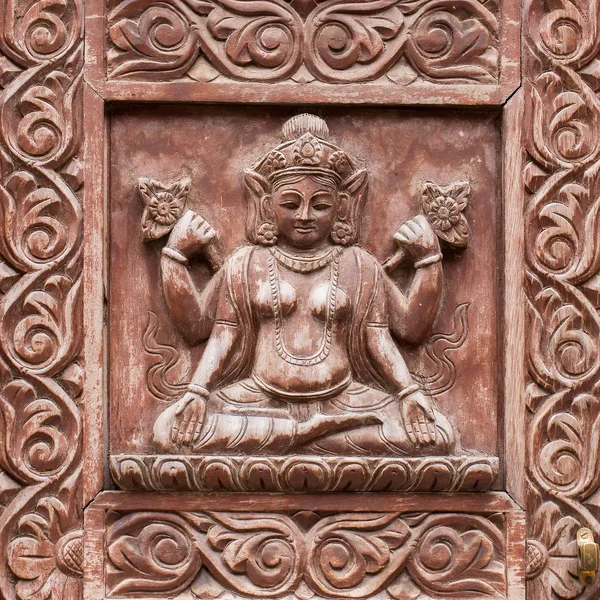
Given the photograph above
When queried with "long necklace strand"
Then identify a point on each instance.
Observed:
(325, 345)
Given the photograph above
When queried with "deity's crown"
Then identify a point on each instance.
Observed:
(305, 149)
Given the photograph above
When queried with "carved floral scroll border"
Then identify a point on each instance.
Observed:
(41, 178)
(340, 41)
(40, 275)
(272, 555)
(562, 286)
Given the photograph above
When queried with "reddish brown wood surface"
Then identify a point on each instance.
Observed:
(467, 393)
(307, 545)
(59, 126)
(560, 184)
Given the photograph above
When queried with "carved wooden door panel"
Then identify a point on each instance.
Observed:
(299, 299)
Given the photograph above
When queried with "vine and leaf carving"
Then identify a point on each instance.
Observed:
(338, 42)
(306, 554)
(562, 229)
(41, 170)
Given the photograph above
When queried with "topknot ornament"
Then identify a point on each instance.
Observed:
(299, 125)
(305, 150)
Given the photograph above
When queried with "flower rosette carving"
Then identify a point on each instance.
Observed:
(46, 554)
(163, 205)
(551, 551)
(355, 555)
(459, 554)
(255, 40)
(444, 208)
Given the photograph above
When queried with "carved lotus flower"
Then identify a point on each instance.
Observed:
(339, 162)
(274, 162)
(551, 555)
(163, 205)
(45, 561)
(444, 207)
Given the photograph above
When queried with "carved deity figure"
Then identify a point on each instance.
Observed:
(301, 356)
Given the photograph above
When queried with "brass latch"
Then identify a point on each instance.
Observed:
(588, 555)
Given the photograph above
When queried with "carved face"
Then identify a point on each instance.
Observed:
(305, 212)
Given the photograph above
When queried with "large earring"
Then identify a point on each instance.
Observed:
(342, 233)
(267, 231)
(266, 234)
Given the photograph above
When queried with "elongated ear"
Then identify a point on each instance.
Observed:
(343, 207)
(257, 187)
(266, 208)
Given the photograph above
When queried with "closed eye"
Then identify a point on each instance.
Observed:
(289, 204)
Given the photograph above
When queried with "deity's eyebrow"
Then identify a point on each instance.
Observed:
(322, 194)
(291, 193)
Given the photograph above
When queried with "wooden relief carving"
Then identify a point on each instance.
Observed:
(41, 176)
(301, 385)
(335, 42)
(562, 116)
(307, 554)
(222, 243)
(303, 474)
(342, 386)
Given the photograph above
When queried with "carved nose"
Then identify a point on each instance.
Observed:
(304, 214)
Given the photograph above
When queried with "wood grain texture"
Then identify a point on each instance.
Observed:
(562, 257)
(405, 52)
(514, 301)
(41, 362)
(50, 416)
(299, 546)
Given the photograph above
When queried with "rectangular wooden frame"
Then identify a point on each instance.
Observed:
(552, 373)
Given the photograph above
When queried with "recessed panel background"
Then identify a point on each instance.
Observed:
(400, 148)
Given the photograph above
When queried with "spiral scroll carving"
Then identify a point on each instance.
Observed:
(40, 305)
(292, 555)
(254, 554)
(338, 42)
(562, 162)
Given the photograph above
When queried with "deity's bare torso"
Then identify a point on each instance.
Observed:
(303, 323)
